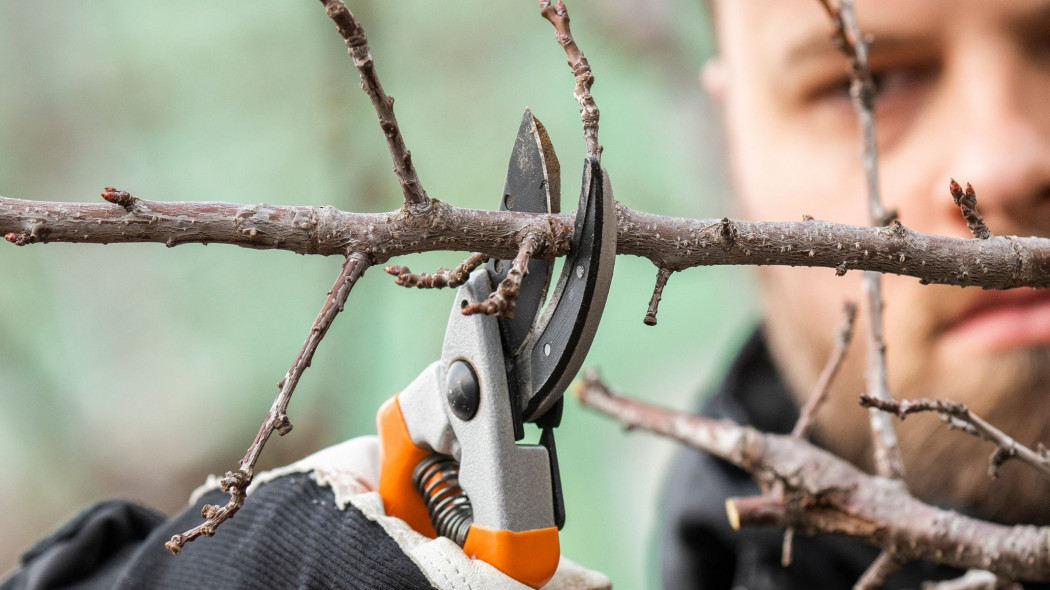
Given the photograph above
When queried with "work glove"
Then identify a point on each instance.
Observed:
(318, 523)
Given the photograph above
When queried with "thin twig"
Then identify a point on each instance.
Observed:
(237, 482)
(884, 566)
(843, 335)
(967, 202)
(501, 302)
(960, 417)
(849, 39)
(439, 279)
(357, 45)
(558, 16)
(826, 494)
(807, 415)
(662, 274)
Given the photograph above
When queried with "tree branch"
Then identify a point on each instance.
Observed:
(500, 302)
(357, 45)
(807, 415)
(820, 393)
(959, 417)
(662, 274)
(825, 494)
(237, 482)
(884, 566)
(847, 36)
(439, 279)
(1000, 262)
(558, 16)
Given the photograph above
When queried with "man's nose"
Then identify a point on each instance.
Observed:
(1003, 147)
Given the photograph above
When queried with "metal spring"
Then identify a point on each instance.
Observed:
(437, 479)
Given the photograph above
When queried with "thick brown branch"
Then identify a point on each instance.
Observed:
(439, 279)
(558, 16)
(357, 45)
(501, 302)
(960, 417)
(237, 482)
(1001, 262)
(662, 274)
(820, 393)
(967, 202)
(825, 494)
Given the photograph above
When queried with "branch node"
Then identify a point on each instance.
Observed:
(23, 238)
(1000, 455)
(728, 232)
(122, 198)
(501, 302)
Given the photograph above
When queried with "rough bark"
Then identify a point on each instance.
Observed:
(1000, 262)
(823, 493)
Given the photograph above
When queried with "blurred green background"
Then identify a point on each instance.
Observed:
(135, 370)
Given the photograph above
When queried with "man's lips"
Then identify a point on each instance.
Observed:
(1004, 319)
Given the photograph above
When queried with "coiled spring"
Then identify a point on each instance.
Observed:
(437, 479)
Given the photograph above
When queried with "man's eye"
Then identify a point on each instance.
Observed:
(892, 85)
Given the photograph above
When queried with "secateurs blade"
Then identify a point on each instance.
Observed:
(450, 463)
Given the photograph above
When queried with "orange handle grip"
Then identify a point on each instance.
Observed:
(398, 457)
(531, 557)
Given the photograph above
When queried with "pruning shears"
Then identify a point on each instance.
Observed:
(450, 462)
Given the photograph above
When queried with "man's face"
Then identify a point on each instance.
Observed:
(965, 94)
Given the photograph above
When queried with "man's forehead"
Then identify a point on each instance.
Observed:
(794, 29)
(789, 30)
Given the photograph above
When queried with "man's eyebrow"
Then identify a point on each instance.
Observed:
(1034, 21)
(821, 46)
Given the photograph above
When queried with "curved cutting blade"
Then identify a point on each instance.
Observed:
(563, 335)
(533, 185)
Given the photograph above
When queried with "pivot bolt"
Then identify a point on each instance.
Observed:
(462, 390)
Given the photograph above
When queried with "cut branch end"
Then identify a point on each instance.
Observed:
(732, 514)
(662, 274)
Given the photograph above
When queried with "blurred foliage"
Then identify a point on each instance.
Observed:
(132, 370)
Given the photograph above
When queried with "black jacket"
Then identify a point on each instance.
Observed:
(701, 551)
